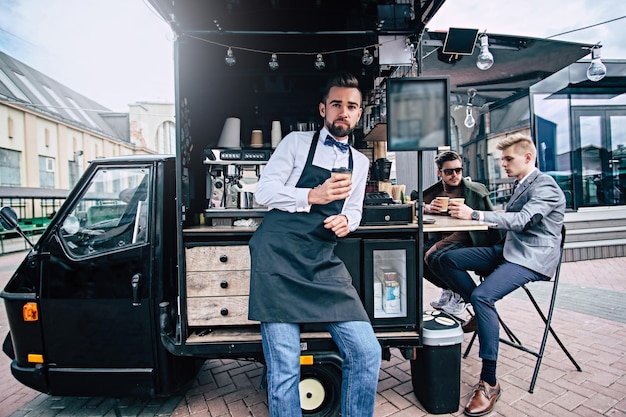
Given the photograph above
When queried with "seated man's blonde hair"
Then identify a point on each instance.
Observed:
(522, 142)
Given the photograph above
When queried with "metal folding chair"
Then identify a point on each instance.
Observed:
(515, 342)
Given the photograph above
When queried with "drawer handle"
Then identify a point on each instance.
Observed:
(224, 284)
(223, 258)
(224, 311)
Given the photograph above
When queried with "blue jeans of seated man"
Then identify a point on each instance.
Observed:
(504, 279)
(361, 355)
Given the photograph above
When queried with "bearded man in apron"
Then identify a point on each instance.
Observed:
(295, 276)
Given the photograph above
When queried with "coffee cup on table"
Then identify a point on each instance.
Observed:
(444, 203)
(457, 201)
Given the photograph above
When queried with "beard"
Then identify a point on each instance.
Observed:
(338, 131)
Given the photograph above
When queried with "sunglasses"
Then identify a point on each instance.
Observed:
(449, 171)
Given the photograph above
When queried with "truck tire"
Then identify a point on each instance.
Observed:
(320, 390)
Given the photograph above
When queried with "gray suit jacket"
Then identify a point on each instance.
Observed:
(533, 221)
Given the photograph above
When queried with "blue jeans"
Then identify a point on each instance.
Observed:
(505, 278)
(359, 349)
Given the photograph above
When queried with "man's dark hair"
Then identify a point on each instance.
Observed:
(342, 79)
(446, 156)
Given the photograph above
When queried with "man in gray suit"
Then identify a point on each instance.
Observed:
(529, 252)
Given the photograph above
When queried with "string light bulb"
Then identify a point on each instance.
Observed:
(319, 62)
(273, 64)
(230, 58)
(485, 58)
(367, 57)
(469, 121)
(597, 69)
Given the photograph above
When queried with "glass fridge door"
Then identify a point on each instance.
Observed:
(389, 281)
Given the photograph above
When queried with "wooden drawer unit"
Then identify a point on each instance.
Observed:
(218, 284)
(218, 258)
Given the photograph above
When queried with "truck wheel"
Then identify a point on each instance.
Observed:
(320, 390)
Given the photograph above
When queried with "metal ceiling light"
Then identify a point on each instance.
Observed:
(485, 58)
(597, 69)
(230, 58)
(273, 64)
(367, 57)
(319, 62)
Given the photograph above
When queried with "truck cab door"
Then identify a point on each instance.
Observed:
(95, 293)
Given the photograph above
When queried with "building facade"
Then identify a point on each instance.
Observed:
(49, 133)
(579, 127)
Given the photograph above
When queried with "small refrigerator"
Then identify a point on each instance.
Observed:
(389, 283)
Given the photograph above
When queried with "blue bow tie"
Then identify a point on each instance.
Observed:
(330, 141)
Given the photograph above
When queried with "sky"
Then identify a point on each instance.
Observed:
(115, 52)
(119, 52)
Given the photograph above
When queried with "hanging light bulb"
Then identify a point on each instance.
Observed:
(597, 69)
(485, 58)
(319, 62)
(469, 121)
(230, 58)
(273, 64)
(367, 57)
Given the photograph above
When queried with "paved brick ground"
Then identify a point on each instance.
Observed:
(590, 318)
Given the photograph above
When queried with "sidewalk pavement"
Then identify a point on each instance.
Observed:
(590, 318)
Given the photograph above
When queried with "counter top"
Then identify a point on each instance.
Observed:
(451, 224)
(441, 224)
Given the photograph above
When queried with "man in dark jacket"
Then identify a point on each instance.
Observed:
(475, 195)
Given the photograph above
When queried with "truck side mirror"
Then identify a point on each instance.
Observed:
(8, 218)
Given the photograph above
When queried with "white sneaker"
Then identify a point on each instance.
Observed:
(444, 299)
(455, 306)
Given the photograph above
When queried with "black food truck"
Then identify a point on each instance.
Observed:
(143, 273)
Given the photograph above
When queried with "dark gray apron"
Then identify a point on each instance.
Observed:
(295, 275)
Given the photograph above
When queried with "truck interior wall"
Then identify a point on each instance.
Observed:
(210, 91)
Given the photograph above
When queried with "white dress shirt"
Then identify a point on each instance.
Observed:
(277, 186)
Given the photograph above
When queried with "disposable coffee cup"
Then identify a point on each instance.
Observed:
(341, 170)
(444, 204)
(256, 139)
(457, 201)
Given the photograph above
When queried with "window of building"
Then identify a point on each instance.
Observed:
(46, 172)
(82, 112)
(43, 101)
(166, 138)
(17, 93)
(61, 104)
(9, 168)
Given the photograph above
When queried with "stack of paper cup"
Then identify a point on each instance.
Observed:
(231, 134)
(276, 134)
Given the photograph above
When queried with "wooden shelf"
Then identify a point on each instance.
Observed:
(377, 134)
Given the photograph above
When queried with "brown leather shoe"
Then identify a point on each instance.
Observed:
(470, 325)
(483, 399)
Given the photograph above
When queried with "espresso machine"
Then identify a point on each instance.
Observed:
(231, 179)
